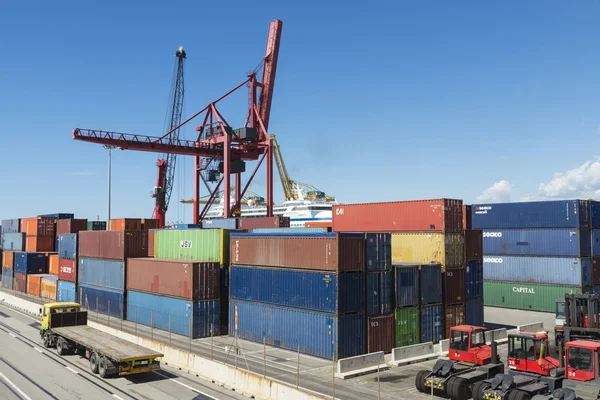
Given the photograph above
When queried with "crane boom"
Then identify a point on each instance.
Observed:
(269, 70)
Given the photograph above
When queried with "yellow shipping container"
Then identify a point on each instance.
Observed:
(48, 289)
(447, 249)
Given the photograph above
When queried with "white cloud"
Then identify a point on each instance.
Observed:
(499, 192)
(82, 173)
(582, 182)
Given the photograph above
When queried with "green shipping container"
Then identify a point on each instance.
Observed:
(206, 245)
(524, 296)
(407, 326)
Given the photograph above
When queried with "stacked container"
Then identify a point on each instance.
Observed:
(26, 264)
(12, 239)
(300, 292)
(8, 262)
(535, 252)
(39, 233)
(67, 265)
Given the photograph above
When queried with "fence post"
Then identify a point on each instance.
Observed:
(97, 313)
(212, 327)
(333, 375)
(108, 313)
(170, 344)
(378, 384)
(136, 307)
(264, 357)
(152, 324)
(298, 368)
(122, 316)
(191, 330)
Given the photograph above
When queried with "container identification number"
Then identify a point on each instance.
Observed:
(185, 244)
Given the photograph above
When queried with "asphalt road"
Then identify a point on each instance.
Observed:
(28, 371)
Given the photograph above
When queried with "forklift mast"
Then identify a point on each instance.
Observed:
(581, 311)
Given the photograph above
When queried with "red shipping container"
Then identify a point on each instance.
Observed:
(380, 334)
(125, 224)
(467, 224)
(39, 243)
(8, 259)
(67, 270)
(263, 222)
(455, 316)
(339, 253)
(149, 223)
(453, 285)
(596, 271)
(20, 282)
(474, 245)
(64, 226)
(38, 226)
(441, 215)
(52, 264)
(113, 245)
(187, 280)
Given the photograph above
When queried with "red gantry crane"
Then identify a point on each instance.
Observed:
(217, 140)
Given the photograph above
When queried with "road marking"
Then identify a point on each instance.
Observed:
(72, 370)
(184, 385)
(116, 397)
(12, 334)
(36, 349)
(12, 385)
(19, 312)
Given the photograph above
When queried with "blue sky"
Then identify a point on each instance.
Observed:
(377, 102)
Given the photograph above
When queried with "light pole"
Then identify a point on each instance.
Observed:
(109, 148)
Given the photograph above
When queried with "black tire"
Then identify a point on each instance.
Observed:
(521, 395)
(94, 363)
(61, 346)
(450, 386)
(478, 389)
(512, 395)
(420, 381)
(460, 389)
(46, 340)
(102, 367)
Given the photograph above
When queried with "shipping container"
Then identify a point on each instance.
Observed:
(66, 291)
(11, 225)
(96, 225)
(149, 223)
(67, 270)
(379, 293)
(318, 334)
(7, 278)
(453, 281)
(336, 252)
(30, 263)
(318, 224)
(467, 220)
(207, 245)
(380, 334)
(114, 245)
(125, 224)
(525, 296)
(249, 224)
(13, 241)
(8, 259)
(474, 280)
(67, 245)
(595, 214)
(48, 288)
(430, 279)
(151, 239)
(406, 285)
(548, 270)
(275, 231)
(179, 316)
(595, 242)
(183, 279)
(103, 301)
(537, 242)
(224, 301)
(71, 225)
(474, 312)
(432, 323)
(440, 215)
(596, 289)
(182, 226)
(379, 252)
(38, 226)
(103, 273)
(532, 214)
(39, 243)
(429, 248)
(407, 326)
(220, 223)
(20, 282)
(34, 284)
(455, 315)
(596, 271)
(474, 245)
(311, 290)
(58, 216)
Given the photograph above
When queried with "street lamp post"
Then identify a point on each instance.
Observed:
(109, 148)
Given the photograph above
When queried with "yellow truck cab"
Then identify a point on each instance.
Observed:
(49, 309)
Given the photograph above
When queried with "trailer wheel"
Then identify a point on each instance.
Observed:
(420, 381)
(521, 395)
(512, 395)
(478, 389)
(449, 388)
(94, 362)
(460, 389)
(102, 367)
(61, 346)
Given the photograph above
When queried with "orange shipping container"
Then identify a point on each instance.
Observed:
(39, 243)
(42, 226)
(34, 283)
(48, 288)
(8, 259)
(125, 224)
(53, 264)
(319, 224)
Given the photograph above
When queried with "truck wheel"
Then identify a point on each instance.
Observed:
(460, 389)
(46, 340)
(61, 346)
(420, 381)
(94, 363)
(512, 395)
(478, 389)
(449, 388)
(522, 395)
(102, 367)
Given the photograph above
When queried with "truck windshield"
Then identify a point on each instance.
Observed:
(459, 341)
(560, 309)
(581, 359)
(477, 338)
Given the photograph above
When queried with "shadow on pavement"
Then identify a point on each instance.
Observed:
(150, 377)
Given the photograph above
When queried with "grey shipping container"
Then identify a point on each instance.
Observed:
(432, 323)
(474, 312)
(379, 293)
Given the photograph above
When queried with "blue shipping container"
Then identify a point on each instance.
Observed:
(275, 231)
(538, 242)
(318, 334)
(474, 312)
(379, 293)
(431, 283)
(11, 225)
(596, 242)
(67, 246)
(534, 214)
(182, 226)
(65, 291)
(379, 251)
(220, 223)
(432, 323)
(7, 278)
(596, 289)
(30, 263)
(104, 273)
(474, 280)
(13, 241)
(58, 216)
(595, 214)
(549, 270)
(175, 315)
(406, 285)
(311, 290)
(102, 300)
